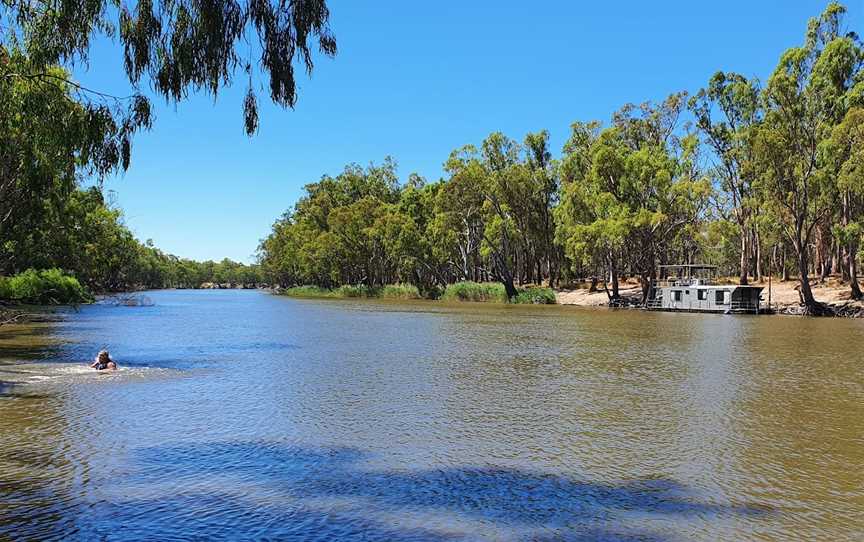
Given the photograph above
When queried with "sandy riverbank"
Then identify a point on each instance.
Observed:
(784, 295)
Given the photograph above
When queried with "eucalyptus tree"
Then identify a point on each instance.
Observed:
(594, 219)
(419, 201)
(49, 141)
(482, 176)
(664, 187)
(542, 198)
(455, 232)
(56, 131)
(844, 152)
(805, 98)
(727, 112)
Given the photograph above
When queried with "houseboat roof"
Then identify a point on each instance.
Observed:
(688, 266)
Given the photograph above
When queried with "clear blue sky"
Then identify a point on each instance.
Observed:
(417, 79)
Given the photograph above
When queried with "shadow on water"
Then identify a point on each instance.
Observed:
(252, 490)
(14, 390)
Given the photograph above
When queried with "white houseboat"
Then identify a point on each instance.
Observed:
(693, 287)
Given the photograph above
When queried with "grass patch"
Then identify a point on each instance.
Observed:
(475, 291)
(400, 291)
(494, 292)
(43, 287)
(307, 291)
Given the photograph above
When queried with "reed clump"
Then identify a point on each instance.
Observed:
(494, 292)
(475, 291)
(307, 291)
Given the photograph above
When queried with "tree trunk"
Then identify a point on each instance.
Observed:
(784, 276)
(646, 287)
(757, 255)
(820, 265)
(509, 288)
(743, 271)
(852, 266)
(804, 291)
(773, 265)
(506, 278)
(837, 260)
(811, 306)
(851, 250)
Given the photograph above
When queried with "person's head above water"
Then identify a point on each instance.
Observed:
(103, 355)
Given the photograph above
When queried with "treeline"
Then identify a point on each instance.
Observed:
(85, 237)
(754, 177)
(54, 134)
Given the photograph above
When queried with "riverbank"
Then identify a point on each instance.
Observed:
(784, 296)
(485, 292)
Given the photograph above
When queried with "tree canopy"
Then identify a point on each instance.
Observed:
(739, 174)
(174, 46)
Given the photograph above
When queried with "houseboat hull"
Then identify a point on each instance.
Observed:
(723, 299)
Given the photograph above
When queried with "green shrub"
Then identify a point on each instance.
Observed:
(536, 296)
(475, 291)
(307, 291)
(400, 291)
(43, 287)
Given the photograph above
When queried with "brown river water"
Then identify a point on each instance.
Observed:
(238, 415)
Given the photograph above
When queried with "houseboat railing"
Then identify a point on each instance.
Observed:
(734, 306)
(654, 304)
(749, 306)
(683, 282)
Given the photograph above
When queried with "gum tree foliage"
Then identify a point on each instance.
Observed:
(56, 132)
(86, 236)
(727, 113)
(51, 139)
(632, 189)
(503, 194)
(491, 219)
(178, 46)
(808, 94)
(844, 157)
(593, 220)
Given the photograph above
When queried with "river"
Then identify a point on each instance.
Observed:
(240, 415)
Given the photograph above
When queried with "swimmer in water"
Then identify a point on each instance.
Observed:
(103, 362)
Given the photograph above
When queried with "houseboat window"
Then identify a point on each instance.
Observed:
(676, 295)
(702, 295)
(719, 297)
